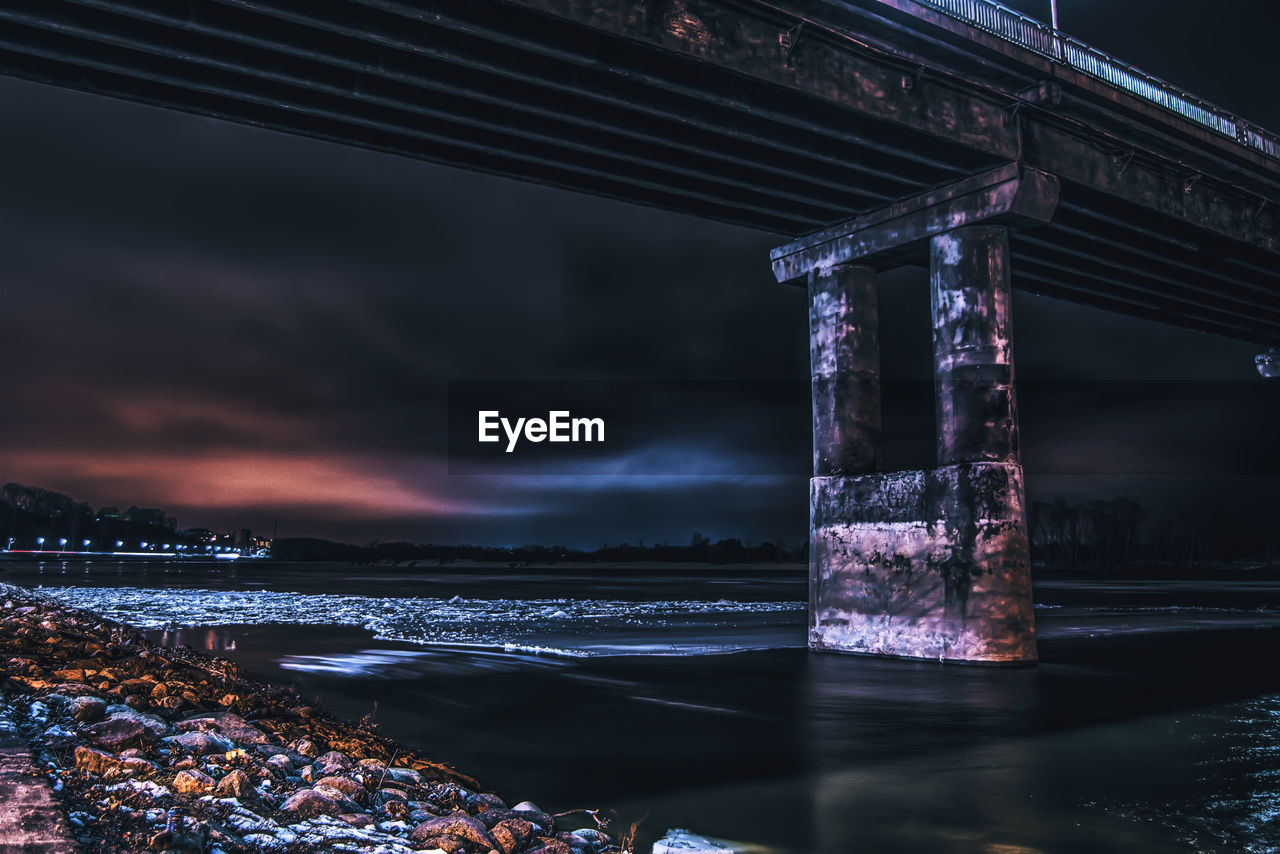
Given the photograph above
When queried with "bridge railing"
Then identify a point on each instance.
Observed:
(1013, 26)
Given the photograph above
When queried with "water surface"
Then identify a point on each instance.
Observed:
(685, 693)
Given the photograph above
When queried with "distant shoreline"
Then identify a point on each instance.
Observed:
(1212, 570)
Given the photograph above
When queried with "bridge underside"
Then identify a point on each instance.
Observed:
(783, 119)
(875, 133)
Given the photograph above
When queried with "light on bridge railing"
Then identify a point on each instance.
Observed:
(1269, 363)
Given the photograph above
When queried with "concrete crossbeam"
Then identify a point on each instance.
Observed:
(1012, 195)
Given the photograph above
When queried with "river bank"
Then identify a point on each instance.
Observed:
(151, 748)
(690, 699)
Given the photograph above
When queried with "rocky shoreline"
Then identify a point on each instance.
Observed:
(157, 749)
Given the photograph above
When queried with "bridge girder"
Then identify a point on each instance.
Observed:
(782, 116)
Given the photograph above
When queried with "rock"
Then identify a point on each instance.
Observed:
(193, 781)
(160, 690)
(308, 774)
(158, 725)
(88, 709)
(306, 747)
(245, 734)
(200, 724)
(459, 824)
(229, 723)
(70, 675)
(202, 743)
(94, 761)
(512, 834)
(346, 785)
(597, 840)
(485, 801)
(339, 797)
(375, 767)
(116, 734)
(171, 704)
(577, 843)
(356, 819)
(404, 776)
(282, 763)
(237, 784)
(139, 685)
(447, 844)
(101, 763)
(308, 803)
(332, 762)
(551, 846)
(137, 701)
(542, 823)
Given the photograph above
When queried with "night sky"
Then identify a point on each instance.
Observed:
(242, 326)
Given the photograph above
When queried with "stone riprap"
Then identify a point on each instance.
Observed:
(154, 749)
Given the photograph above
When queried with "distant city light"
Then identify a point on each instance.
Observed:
(86, 544)
(119, 544)
(40, 541)
(142, 544)
(62, 542)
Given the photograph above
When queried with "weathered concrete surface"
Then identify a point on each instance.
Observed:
(977, 410)
(900, 233)
(30, 819)
(923, 564)
(844, 357)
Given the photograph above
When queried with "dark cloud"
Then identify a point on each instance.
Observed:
(241, 326)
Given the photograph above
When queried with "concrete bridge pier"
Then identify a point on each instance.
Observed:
(844, 358)
(929, 564)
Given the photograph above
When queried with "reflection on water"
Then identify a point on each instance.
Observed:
(209, 640)
(400, 664)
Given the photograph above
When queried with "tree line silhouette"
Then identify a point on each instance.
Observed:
(1098, 533)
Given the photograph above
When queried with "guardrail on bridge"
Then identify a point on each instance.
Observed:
(1037, 36)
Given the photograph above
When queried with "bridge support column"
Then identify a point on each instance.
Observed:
(930, 564)
(844, 361)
